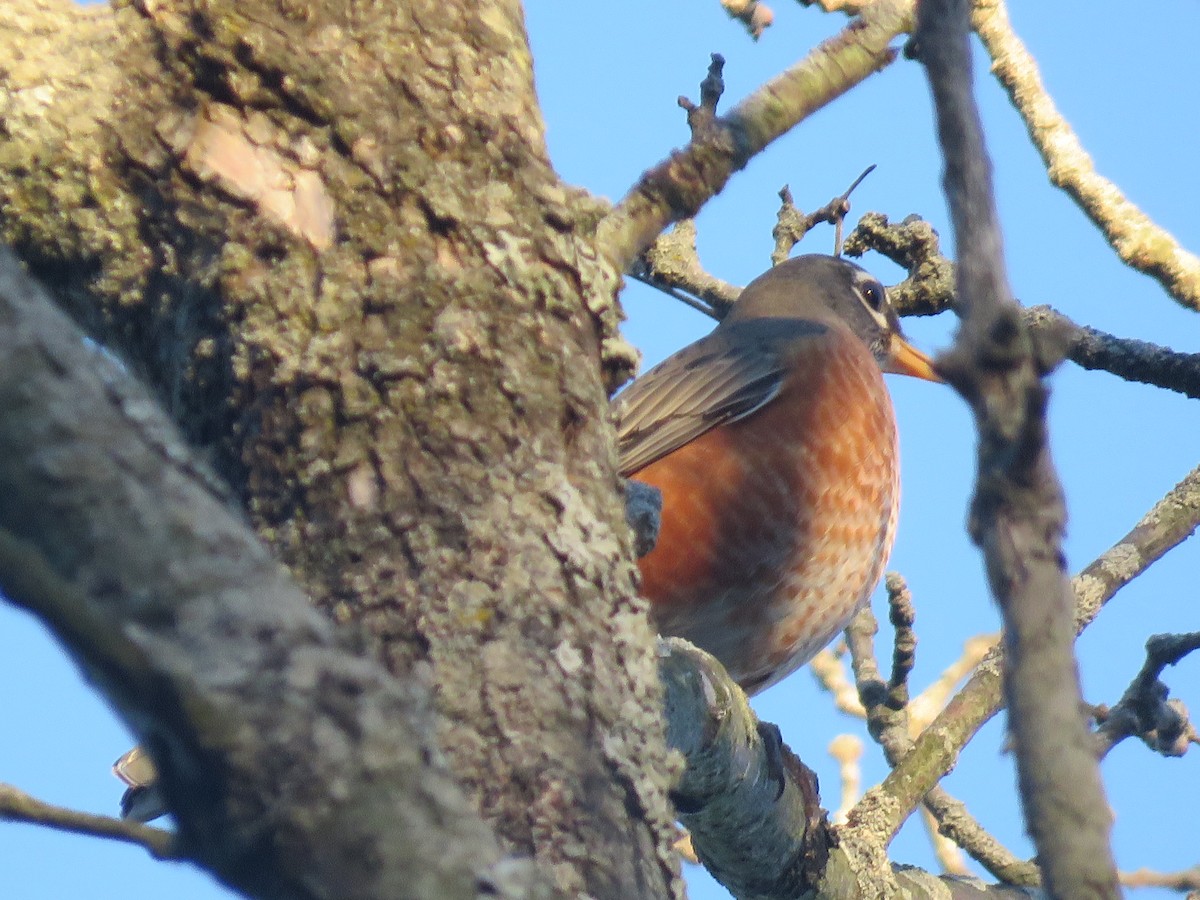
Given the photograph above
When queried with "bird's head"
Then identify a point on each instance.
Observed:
(819, 288)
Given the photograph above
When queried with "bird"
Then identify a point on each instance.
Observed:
(142, 801)
(773, 442)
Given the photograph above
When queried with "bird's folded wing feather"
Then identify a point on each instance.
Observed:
(717, 380)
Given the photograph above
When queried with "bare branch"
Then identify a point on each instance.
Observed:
(1187, 880)
(827, 667)
(672, 265)
(1144, 710)
(792, 225)
(1141, 244)
(1017, 515)
(847, 751)
(18, 806)
(677, 187)
(955, 822)
(1168, 523)
(1130, 359)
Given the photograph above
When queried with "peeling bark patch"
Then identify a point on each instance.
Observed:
(223, 151)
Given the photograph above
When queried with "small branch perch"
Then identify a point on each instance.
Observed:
(751, 806)
(17, 806)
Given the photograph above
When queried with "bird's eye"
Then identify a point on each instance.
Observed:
(873, 295)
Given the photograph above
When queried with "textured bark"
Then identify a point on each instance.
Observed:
(291, 759)
(353, 277)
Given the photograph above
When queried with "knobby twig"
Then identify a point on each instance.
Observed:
(1144, 710)
(892, 724)
(792, 225)
(1017, 514)
(677, 187)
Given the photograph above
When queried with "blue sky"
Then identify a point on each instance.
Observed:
(608, 75)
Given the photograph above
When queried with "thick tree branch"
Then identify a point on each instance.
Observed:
(1017, 515)
(248, 700)
(677, 187)
(751, 806)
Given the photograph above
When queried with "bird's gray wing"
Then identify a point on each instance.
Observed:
(719, 379)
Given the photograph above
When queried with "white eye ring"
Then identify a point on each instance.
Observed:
(873, 295)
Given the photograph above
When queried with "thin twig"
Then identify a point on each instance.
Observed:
(791, 225)
(18, 806)
(677, 187)
(827, 667)
(847, 751)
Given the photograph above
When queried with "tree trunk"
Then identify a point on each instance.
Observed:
(329, 237)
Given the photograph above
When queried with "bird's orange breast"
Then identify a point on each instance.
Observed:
(776, 527)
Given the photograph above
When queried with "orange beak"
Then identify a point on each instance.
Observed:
(908, 360)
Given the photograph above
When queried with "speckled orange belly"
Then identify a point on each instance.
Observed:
(776, 528)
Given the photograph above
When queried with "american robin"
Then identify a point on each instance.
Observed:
(773, 442)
